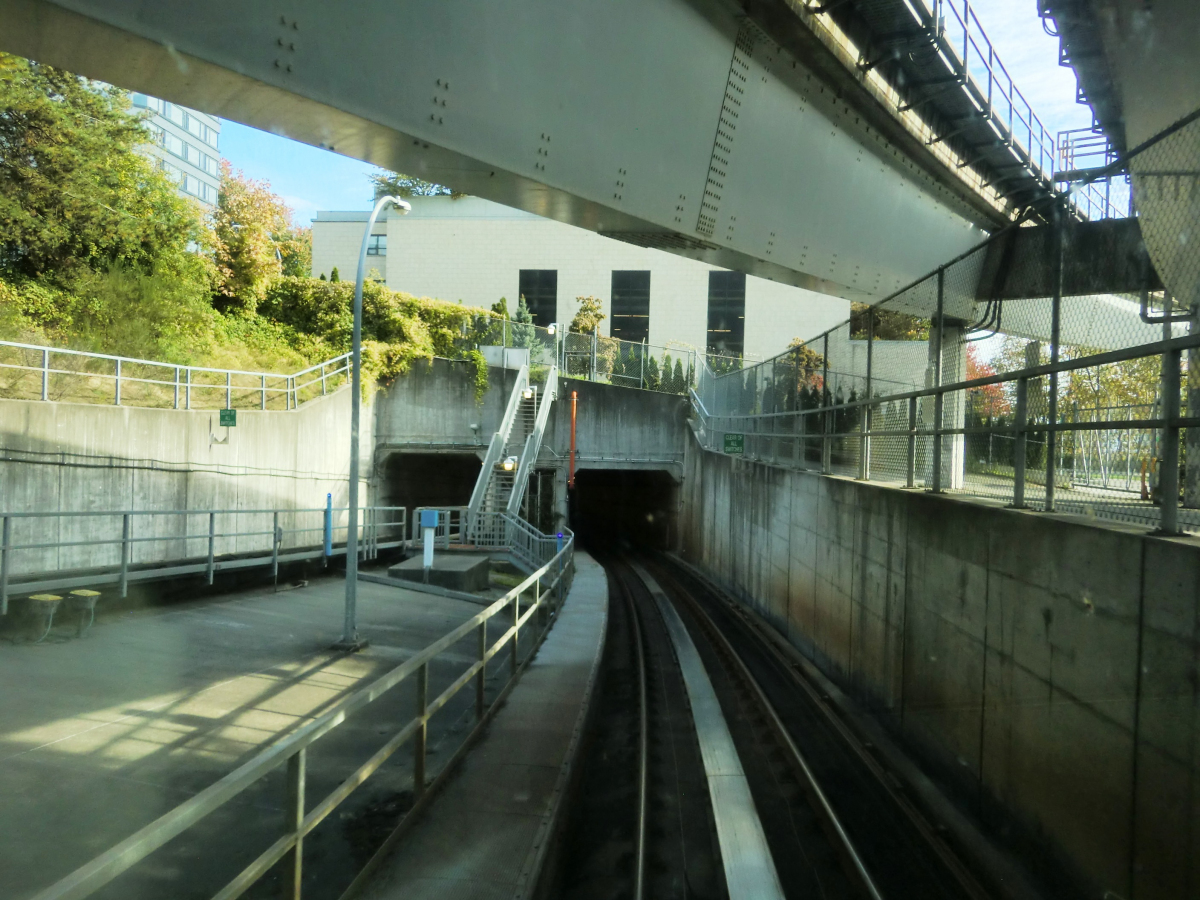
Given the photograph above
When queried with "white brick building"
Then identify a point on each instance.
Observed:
(475, 251)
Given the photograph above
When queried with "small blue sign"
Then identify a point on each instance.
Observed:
(429, 518)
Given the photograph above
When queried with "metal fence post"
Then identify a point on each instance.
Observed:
(481, 675)
(595, 343)
(1020, 443)
(1055, 322)
(296, 777)
(1168, 475)
(212, 534)
(264, 392)
(5, 544)
(276, 537)
(864, 441)
(117, 392)
(229, 390)
(911, 475)
(422, 729)
(939, 400)
(124, 554)
(177, 387)
(188, 389)
(45, 374)
(324, 390)
(826, 421)
(516, 631)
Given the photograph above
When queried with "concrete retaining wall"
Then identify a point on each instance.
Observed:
(1047, 665)
(65, 457)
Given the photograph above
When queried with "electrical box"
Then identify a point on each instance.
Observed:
(429, 518)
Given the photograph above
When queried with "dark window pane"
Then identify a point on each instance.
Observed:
(539, 287)
(377, 245)
(631, 306)
(726, 312)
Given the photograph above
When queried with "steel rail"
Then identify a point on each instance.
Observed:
(820, 802)
(795, 674)
(643, 744)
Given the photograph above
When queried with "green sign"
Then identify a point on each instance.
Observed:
(735, 443)
(229, 417)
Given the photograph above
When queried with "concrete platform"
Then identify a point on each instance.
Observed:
(100, 736)
(484, 836)
(456, 571)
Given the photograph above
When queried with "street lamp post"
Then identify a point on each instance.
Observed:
(350, 639)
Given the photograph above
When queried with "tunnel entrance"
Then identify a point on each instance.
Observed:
(641, 507)
(428, 479)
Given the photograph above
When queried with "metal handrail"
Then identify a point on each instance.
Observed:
(273, 548)
(498, 443)
(292, 750)
(533, 443)
(183, 384)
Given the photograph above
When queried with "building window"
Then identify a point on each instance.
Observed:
(539, 287)
(726, 312)
(174, 113)
(211, 166)
(631, 306)
(377, 246)
(191, 184)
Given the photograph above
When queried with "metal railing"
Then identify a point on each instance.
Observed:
(498, 442)
(533, 443)
(42, 551)
(451, 527)
(36, 372)
(953, 383)
(961, 37)
(540, 595)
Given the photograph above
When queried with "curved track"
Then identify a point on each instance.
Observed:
(836, 824)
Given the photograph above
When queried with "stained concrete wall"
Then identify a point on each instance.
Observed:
(66, 457)
(617, 427)
(1047, 666)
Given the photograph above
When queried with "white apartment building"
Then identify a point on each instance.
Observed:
(474, 251)
(184, 142)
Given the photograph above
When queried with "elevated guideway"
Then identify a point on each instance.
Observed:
(761, 138)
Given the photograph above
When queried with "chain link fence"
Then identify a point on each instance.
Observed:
(997, 377)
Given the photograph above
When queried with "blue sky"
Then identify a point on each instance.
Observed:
(310, 179)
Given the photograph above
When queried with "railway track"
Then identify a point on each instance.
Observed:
(654, 814)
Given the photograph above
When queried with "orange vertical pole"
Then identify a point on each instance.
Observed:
(571, 464)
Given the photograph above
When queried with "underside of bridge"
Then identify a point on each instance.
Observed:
(753, 137)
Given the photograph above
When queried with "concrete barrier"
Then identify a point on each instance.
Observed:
(1046, 664)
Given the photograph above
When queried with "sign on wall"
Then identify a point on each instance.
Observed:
(735, 443)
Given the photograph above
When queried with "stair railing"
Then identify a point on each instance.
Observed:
(533, 444)
(496, 448)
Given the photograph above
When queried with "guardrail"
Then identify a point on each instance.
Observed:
(50, 373)
(498, 442)
(533, 443)
(42, 551)
(540, 594)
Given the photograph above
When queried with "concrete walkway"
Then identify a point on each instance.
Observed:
(100, 736)
(482, 838)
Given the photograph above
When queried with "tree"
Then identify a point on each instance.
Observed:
(522, 329)
(889, 325)
(75, 196)
(500, 307)
(247, 217)
(393, 184)
(652, 382)
(295, 250)
(588, 317)
(334, 276)
(679, 385)
(989, 401)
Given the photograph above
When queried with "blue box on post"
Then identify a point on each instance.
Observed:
(429, 518)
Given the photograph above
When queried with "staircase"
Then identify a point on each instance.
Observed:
(511, 456)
